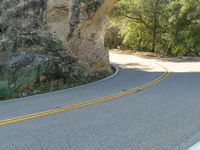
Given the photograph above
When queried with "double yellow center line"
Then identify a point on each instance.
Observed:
(90, 102)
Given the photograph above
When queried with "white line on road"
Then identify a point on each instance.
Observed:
(114, 67)
(195, 147)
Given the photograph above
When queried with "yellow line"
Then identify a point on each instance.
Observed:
(90, 102)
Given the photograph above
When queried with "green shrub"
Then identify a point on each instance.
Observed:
(113, 38)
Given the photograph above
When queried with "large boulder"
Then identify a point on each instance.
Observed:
(56, 31)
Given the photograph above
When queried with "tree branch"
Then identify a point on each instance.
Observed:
(138, 20)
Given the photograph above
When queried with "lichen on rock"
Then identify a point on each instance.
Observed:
(68, 35)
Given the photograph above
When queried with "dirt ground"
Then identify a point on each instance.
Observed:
(152, 55)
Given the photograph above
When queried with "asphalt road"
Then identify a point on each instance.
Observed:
(165, 116)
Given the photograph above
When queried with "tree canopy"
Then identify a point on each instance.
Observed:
(165, 26)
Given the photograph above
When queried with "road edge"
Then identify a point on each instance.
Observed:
(113, 66)
(89, 102)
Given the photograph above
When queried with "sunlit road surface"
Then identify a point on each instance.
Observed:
(164, 116)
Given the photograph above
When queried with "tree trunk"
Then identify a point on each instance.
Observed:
(155, 25)
(154, 35)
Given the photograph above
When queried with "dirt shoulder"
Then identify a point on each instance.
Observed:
(152, 55)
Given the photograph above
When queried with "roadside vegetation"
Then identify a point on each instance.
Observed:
(21, 86)
(169, 27)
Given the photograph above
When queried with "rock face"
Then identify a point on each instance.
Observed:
(65, 34)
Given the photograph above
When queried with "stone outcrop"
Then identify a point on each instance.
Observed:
(61, 33)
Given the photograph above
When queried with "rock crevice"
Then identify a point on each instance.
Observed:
(47, 28)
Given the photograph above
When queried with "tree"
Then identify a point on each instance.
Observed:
(184, 27)
(145, 13)
(165, 26)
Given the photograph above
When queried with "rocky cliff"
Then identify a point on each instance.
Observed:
(49, 39)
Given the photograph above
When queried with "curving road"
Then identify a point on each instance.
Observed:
(162, 114)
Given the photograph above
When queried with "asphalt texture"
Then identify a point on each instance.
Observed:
(165, 116)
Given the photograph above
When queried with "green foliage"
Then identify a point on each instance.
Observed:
(134, 36)
(4, 89)
(165, 26)
(113, 39)
(92, 5)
